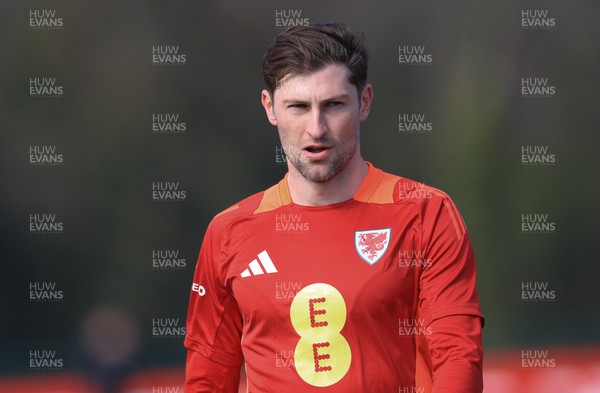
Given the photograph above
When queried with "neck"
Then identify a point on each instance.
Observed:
(340, 188)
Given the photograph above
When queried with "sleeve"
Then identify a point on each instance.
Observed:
(447, 283)
(456, 354)
(205, 375)
(449, 302)
(214, 323)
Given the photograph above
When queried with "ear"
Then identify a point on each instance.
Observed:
(267, 103)
(366, 98)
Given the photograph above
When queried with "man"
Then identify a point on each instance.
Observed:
(340, 278)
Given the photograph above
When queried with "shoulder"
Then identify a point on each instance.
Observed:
(261, 202)
(419, 193)
(241, 209)
(436, 208)
(433, 205)
(386, 188)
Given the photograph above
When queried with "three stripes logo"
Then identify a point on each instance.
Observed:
(256, 267)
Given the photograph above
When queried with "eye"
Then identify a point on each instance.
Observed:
(335, 104)
(297, 106)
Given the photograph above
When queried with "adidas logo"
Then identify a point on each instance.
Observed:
(255, 268)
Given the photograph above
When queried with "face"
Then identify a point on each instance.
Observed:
(318, 117)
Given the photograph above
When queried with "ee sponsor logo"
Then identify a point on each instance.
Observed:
(322, 355)
(198, 288)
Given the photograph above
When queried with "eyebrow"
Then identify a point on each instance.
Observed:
(300, 101)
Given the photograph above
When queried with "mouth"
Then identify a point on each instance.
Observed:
(315, 148)
(316, 152)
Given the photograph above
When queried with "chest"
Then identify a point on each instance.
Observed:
(370, 258)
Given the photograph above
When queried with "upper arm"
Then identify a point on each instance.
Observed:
(203, 375)
(449, 302)
(447, 283)
(214, 323)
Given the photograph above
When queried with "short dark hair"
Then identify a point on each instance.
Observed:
(301, 50)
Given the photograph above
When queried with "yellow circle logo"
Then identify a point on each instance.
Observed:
(322, 356)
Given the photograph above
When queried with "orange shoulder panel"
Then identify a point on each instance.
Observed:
(377, 187)
(274, 197)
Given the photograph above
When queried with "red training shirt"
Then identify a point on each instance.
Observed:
(373, 294)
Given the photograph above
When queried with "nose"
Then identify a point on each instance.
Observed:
(317, 126)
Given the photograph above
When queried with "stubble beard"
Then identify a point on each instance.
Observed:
(323, 171)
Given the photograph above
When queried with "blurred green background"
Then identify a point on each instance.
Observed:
(471, 93)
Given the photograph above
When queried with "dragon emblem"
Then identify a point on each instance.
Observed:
(371, 245)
